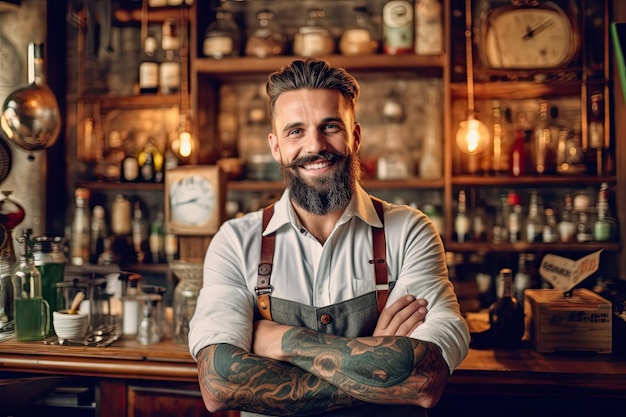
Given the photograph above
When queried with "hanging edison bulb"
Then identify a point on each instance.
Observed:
(472, 137)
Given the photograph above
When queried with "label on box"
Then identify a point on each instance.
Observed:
(564, 273)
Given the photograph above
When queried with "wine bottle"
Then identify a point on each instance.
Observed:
(506, 316)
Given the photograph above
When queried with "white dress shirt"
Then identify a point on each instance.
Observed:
(308, 272)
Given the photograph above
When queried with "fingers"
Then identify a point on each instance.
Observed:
(402, 317)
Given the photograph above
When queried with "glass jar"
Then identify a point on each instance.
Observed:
(50, 260)
(222, 37)
(186, 293)
(267, 38)
(360, 38)
(314, 38)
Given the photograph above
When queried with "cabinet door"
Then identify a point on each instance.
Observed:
(174, 400)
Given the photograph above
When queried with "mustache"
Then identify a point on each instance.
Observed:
(324, 155)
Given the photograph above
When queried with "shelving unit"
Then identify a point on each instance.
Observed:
(206, 75)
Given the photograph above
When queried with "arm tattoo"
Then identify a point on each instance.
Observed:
(247, 382)
(385, 369)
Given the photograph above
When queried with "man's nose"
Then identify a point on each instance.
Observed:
(315, 142)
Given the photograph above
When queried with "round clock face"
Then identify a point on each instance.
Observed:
(528, 38)
(192, 200)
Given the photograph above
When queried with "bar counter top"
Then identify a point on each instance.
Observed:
(482, 370)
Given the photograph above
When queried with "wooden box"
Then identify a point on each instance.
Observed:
(553, 322)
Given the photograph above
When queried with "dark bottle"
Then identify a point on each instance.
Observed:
(506, 315)
(517, 158)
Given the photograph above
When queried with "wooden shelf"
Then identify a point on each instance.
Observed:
(228, 67)
(517, 90)
(543, 181)
(120, 186)
(140, 101)
(531, 247)
(113, 269)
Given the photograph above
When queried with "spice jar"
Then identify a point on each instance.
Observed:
(360, 38)
(314, 38)
(267, 38)
(222, 37)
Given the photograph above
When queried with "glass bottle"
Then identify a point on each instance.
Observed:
(595, 141)
(186, 293)
(314, 38)
(534, 223)
(395, 161)
(517, 157)
(499, 157)
(149, 67)
(479, 223)
(506, 316)
(398, 28)
(428, 27)
(515, 218)
(139, 233)
(267, 37)
(32, 312)
(99, 234)
(550, 233)
(603, 226)
(500, 232)
(222, 37)
(81, 235)
(522, 279)
(129, 171)
(567, 225)
(584, 230)
(462, 224)
(50, 260)
(543, 141)
(157, 238)
(360, 38)
(170, 67)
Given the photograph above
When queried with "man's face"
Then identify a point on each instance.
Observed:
(315, 140)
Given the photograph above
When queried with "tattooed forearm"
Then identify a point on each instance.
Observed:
(383, 369)
(235, 379)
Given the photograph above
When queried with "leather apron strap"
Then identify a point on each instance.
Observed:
(263, 288)
(379, 245)
(380, 257)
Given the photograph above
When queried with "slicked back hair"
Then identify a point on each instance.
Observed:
(311, 74)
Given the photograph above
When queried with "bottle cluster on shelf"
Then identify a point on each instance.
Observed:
(540, 218)
(397, 27)
(120, 232)
(544, 137)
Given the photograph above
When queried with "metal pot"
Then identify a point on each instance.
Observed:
(30, 115)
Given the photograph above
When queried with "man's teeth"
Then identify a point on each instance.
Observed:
(318, 165)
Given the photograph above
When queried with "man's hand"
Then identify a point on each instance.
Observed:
(402, 317)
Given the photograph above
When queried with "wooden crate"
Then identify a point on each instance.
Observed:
(554, 322)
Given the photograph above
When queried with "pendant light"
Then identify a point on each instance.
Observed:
(185, 144)
(472, 137)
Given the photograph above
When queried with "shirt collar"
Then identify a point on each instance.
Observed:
(360, 206)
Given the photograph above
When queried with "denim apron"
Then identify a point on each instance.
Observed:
(350, 318)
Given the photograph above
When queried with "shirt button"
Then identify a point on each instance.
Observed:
(326, 319)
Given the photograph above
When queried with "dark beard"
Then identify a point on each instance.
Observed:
(328, 193)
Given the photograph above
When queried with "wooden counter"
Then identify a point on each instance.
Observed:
(140, 374)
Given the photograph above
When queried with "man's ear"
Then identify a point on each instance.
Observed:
(272, 140)
(356, 133)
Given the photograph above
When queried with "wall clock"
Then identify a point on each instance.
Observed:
(528, 35)
(194, 199)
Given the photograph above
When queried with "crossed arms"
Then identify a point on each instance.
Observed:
(293, 370)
